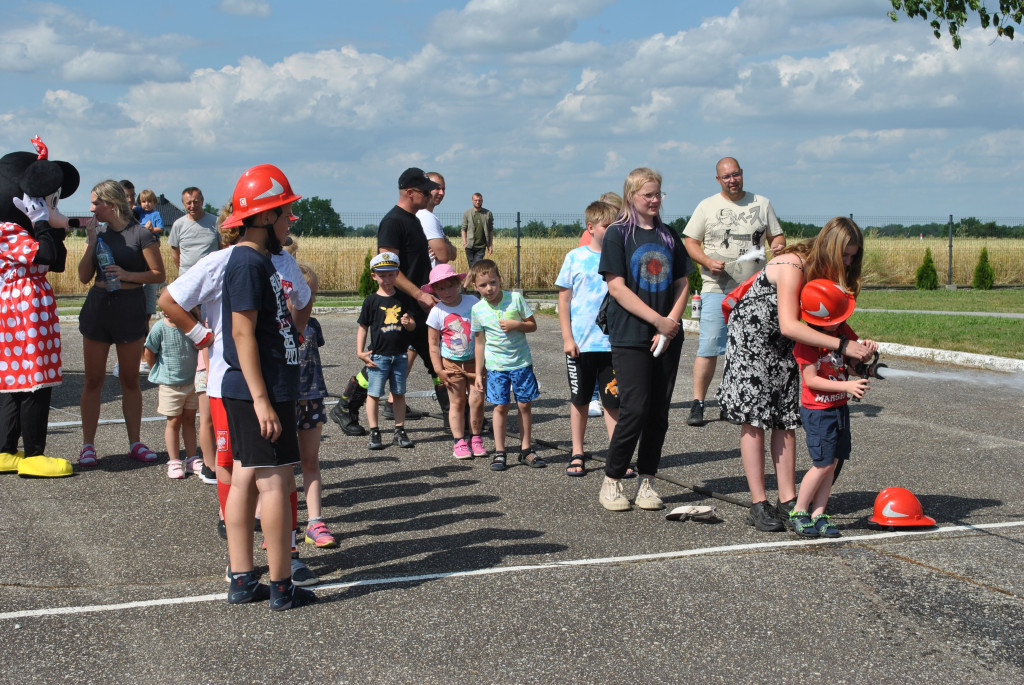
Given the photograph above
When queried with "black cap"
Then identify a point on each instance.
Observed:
(414, 177)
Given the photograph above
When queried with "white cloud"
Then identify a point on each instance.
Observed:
(245, 8)
(493, 26)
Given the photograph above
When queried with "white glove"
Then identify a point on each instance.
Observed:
(200, 335)
(35, 208)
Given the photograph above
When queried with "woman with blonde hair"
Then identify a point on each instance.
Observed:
(114, 312)
(646, 267)
(760, 386)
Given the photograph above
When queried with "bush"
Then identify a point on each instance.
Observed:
(696, 282)
(367, 286)
(927, 278)
(984, 274)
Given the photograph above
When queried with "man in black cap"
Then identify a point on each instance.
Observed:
(400, 232)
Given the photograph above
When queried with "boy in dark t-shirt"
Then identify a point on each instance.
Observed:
(259, 390)
(390, 323)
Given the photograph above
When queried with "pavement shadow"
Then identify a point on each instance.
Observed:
(377, 493)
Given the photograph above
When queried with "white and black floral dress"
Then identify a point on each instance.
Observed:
(761, 381)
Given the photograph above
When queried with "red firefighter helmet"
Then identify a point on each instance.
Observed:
(898, 507)
(260, 188)
(825, 303)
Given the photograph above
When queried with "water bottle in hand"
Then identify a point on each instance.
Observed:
(106, 258)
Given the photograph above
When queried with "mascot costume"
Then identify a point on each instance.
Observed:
(32, 234)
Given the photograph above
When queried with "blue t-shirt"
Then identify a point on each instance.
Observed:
(579, 273)
(503, 351)
(311, 372)
(252, 283)
(154, 216)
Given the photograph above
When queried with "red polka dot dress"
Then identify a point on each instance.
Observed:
(29, 330)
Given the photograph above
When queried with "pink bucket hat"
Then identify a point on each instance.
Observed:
(440, 273)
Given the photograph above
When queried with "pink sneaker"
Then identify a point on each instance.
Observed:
(461, 450)
(194, 465)
(175, 469)
(476, 444)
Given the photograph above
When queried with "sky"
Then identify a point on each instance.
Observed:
(540, 105)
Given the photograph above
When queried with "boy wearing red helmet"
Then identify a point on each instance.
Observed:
(259, 389)
(823, 402)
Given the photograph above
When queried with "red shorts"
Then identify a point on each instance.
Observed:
(221, 432)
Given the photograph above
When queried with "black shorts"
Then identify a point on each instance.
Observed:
(590, 368)
(114, 318)
(249, 446)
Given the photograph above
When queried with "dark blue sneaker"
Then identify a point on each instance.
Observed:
(245, 588)
(285, 595)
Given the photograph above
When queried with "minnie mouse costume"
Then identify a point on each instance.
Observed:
(32, 234)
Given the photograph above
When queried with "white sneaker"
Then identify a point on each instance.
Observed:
(611, 497)
(595, 408)
(117, 370)
(647, 498)
(143, 368)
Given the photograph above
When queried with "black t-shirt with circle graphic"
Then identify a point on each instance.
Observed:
(649, 267)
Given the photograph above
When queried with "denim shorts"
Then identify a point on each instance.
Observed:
(714, 334)
(828, 434)
(391, 370)
(522, 382)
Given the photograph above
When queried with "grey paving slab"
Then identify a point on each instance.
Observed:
(445, 570)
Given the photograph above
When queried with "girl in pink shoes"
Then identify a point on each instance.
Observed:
(454, 356)
(114, 312)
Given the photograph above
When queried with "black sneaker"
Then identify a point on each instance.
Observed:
(347, 421)
(784, 509)
(388, 412)
(207, 475)
(401, 439)
(696, 417)
(376, 443)
(245, 588)
(286, 595)
(222, 529)
(762, 517)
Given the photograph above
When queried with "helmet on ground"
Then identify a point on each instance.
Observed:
(260, 188)
(898, 507)
(824, 303)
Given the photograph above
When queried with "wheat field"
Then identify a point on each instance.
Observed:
(887, 261)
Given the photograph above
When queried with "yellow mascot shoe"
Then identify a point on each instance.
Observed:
(44, 467)
(9, 462)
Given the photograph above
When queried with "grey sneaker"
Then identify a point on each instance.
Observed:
(401, 439)
(696, 417)
(301, 575)
(647, 498)
(611, 497)
(762, 516)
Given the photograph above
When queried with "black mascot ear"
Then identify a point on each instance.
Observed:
(42, 178)
(12, 168)
(24, 173)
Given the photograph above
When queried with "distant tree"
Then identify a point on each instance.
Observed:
(210, 209)
(984, 274)
(954, 14)
(316, 218)
(927, 278)
(367, 286)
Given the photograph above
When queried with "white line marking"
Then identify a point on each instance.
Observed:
(603, 561)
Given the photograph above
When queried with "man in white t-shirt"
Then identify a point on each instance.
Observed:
(194, 235)
(725, 231)
(432, 225)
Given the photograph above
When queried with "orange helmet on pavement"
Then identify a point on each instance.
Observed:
(899, 507)
(260, 188)
(824, 303)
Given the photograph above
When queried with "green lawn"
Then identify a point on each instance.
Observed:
(979, 334)
(1001, 300)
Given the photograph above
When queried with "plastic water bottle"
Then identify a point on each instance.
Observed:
(695, 307)
(106, 258)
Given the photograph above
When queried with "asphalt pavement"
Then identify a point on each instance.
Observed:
(448, 572)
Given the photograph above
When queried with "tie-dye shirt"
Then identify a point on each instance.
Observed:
(579, 274)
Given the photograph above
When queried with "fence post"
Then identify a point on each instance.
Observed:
(518, 234)
(949, 280)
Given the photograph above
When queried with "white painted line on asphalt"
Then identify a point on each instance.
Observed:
(494, 570)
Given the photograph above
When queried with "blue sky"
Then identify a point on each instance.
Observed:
(541, 105)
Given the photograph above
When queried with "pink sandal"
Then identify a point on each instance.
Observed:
(142, 453)
(87, 457)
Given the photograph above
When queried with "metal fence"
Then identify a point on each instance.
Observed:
(532, 262)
